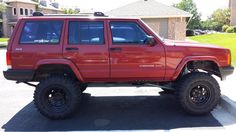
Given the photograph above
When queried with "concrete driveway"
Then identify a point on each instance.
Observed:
(113, 108)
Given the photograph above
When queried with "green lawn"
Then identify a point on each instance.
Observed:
(3, 42)
(4, 39)
(224, 40)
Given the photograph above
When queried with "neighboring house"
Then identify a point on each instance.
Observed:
(169, 22)
(232, 5)
(16, 9)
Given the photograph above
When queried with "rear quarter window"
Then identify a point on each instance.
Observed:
(41, 32)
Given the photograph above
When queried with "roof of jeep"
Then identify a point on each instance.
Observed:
(78, 17)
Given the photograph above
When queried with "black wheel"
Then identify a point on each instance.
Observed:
(199, 93)
(57, 97)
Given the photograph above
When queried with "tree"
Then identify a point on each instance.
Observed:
(2, 7)
(220, 17)
(190, 6)
(36, 1)
(217, 20)
(70, 11)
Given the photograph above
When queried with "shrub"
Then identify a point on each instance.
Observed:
(230, 30)
(234, 27)
(224, 28)
(189, 32)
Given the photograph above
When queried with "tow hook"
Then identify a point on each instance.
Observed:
(30, 84)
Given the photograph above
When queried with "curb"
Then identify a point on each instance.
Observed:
(228, 105)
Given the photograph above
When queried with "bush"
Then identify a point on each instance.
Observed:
(234, 27)
(189, 32)
(224, 28)
(230, 30)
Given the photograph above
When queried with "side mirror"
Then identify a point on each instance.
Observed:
(150, 41)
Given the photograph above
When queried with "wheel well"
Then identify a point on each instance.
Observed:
(206, 66)
(44, 71)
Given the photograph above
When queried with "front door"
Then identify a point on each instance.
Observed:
(86, 47)
(132, 59)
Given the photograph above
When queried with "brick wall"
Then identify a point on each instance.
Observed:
(233, 12)
(177, 28)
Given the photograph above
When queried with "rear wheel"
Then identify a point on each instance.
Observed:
(199, 93)
(57, 97)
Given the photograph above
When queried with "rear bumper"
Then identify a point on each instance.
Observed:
(225, 71)
(19, 75)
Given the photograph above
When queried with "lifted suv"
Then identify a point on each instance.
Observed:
(65, 54)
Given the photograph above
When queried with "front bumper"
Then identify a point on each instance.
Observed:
(225, 71)
(19, 75)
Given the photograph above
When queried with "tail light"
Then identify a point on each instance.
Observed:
(8, 60)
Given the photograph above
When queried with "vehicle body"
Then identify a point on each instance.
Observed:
(90, 50)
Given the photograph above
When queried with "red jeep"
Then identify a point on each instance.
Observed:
(65, 54)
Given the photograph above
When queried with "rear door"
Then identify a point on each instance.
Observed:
(131, 58)
(86, 46)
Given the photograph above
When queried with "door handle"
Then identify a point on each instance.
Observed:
(72, 49)
(115, 49)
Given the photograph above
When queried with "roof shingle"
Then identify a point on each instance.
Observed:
(148, 9)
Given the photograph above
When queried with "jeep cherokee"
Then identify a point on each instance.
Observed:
(65, 54)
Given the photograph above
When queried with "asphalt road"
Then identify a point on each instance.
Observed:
(113, 108)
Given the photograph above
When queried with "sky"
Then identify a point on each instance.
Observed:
(205, 7)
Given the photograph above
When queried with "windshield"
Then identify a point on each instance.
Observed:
(157, 35)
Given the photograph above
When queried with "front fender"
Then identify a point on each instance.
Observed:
(185, 60)
(61, 62)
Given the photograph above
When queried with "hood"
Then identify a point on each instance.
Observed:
(190, 44)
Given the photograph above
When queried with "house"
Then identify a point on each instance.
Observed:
(16, 9)
(232, 5)
(169, 22)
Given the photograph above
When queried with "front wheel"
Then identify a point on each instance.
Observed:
(199, 93)
(57, 97)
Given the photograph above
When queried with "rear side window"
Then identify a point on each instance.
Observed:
(41, 32)
(86, 33)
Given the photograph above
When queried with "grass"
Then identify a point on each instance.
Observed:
(223, 40)
(4, 39)
(3, 42)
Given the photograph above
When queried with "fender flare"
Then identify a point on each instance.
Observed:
(61, 62)
(185, 60)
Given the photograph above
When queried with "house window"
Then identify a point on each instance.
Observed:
(31, 11)
(21, 11)
(14, 11)
(26, 12)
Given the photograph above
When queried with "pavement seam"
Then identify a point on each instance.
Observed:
(228, 105)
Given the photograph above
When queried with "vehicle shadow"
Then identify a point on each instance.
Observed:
(114, 113)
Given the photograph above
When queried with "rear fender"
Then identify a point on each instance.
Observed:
(61, 62)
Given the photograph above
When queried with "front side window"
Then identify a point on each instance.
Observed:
(41, 32)
(127, 33)
(86, 32)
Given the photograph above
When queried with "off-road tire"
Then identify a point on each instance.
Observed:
(57, 97)
(82, 86)
(209, 93)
